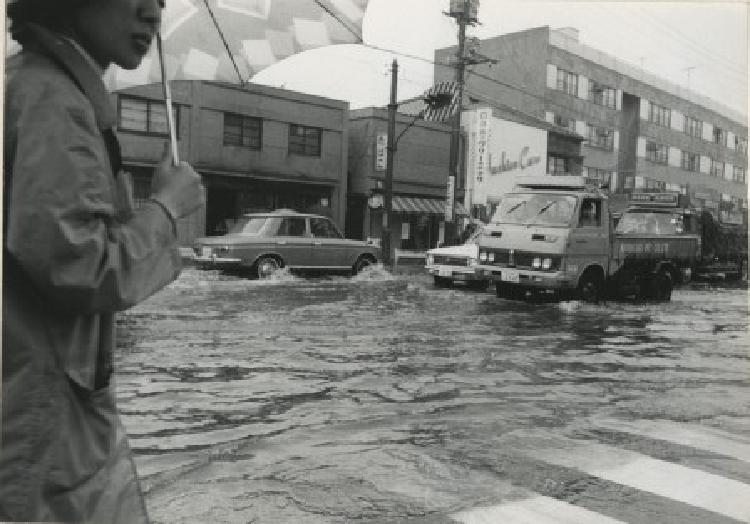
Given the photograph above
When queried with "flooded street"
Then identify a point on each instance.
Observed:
(381, 398)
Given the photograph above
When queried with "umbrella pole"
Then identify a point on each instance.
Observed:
(168, 102)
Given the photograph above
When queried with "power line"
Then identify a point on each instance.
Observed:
(336, 17)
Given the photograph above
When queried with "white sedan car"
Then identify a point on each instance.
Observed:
(451, 264)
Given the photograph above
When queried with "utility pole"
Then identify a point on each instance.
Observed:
(385, 242)
(464, 11)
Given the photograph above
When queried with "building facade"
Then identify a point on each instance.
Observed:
(257, 148)
(420, 175)
(641, 132)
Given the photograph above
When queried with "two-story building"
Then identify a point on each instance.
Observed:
(257, 148)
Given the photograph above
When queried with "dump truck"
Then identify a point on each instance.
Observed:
(557, 235)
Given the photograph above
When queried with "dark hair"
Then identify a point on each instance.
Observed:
(52, 14)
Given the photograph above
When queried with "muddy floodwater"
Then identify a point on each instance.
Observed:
(381, 398)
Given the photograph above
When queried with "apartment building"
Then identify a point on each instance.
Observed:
(257, 148)
(641, 132)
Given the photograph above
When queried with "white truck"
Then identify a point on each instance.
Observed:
(555, 235)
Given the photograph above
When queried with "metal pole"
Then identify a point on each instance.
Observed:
(168, 102)
(385, 242)
(456, 124)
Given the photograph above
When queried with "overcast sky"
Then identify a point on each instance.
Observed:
(665, 38)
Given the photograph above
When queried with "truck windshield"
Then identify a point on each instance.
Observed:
(535, 209)
(649, 222)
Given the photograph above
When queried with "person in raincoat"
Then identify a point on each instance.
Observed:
(75, 251)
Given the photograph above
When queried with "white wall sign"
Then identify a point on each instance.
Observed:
(449, 197)
(381, 151)
(500, 151)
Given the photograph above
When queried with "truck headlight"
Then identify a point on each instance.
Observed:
(430, 259)
(483, 256)
(536, 263)
(491, 257)
(547, 263)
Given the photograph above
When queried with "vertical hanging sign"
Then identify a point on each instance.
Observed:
(449, 197)
(381, 151)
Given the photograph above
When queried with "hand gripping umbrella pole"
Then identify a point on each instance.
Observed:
(168, 102)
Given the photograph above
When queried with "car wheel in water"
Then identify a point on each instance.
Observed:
(442, 281)
(590, 288)
(479, 285)
(663, 286)
(362, 263)
(267, 266)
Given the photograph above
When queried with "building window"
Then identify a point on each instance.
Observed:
(567, 123)
(717, 168)
(659, 115)
(141, 115)
(690, 161)
(740, 144)
(602, 95)
(693, 127)
(656, 152)
(557, 165)
(304, 140)
(642, 182)
(720, 136)
(594, 175)
(601, 137)
(739, 174)
(567, 82)
(243, 131)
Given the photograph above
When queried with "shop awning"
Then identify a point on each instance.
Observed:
(430, 206)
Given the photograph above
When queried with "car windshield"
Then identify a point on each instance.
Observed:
(644, 221)
(535, 209)
(249, 225)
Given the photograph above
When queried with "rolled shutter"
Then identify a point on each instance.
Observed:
(728, 171)
(583, 87)
(678, 120)
(644, 109)
(641, 147)
(582, 128)
(552, 76)
(674, 156)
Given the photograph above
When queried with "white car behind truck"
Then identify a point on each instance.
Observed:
(452, 264)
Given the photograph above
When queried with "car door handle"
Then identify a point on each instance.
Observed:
(317, 243)
(581, 241)
(281, 242)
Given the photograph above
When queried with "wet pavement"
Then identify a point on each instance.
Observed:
(381, 398)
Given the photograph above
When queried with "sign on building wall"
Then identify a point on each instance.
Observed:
(499, 152)
(449, 197)
(381, 151)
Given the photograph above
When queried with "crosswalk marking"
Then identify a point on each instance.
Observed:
(699, 437)
(534, 510)
(704, 490)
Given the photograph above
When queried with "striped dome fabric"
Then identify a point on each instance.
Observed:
(258, 34)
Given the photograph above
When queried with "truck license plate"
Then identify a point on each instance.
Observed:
(508, 275)
(444, 272)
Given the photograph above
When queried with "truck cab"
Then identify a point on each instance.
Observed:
(549, 235)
